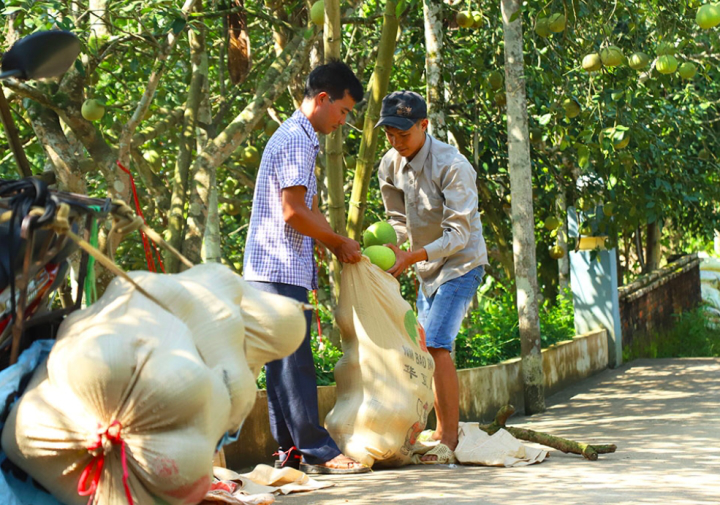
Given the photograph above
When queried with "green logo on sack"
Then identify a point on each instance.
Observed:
(411, 325)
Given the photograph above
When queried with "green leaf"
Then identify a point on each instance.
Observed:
(178, 25)
(515, 15)
(583, 156)
(399, 8)
(10, 10)
(544, 119)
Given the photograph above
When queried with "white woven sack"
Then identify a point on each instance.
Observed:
(384, 379)
(237, 328)
(171, 383)
(124, 389)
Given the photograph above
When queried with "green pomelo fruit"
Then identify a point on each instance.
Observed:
(592, 62)
(542, 27)
(708, 16)
(464, 19)
(556, 22)
(664, 48)
(638, 60)
(666, 64)
(379, 255)
(687, 70)
(92, 109)
(557, 252)
(552, 223)
(379, 233)
(496, 80)
(611, 56)
(317, 13)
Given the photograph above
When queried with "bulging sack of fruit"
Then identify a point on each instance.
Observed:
(236, 328)
(133, 399)
(384, 379)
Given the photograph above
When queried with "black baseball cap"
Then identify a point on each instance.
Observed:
(402, 109)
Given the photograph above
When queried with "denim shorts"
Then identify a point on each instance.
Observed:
(442, 314)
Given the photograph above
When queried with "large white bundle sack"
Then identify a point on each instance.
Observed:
(384, 379)
(148, 390)
(237, 328)
(123, 390)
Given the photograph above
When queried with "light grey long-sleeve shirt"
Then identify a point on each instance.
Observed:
(433, 201)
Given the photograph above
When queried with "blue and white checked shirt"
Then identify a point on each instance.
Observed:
(274, 251)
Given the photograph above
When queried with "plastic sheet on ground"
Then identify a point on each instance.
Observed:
(475, 447)
(259, 486)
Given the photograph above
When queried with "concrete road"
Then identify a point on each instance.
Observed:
(664, 416)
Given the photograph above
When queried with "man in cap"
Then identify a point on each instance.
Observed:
(430, 196)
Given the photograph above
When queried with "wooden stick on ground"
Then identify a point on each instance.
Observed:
(561, 444)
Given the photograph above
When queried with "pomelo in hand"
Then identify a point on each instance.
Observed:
(379, 233)
(380, 255)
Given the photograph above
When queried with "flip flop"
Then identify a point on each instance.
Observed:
(444, 454)
(322, 469)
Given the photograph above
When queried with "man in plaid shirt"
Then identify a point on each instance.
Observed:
(279, 259)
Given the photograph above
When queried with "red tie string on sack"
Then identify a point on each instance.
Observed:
(146, 245)
(114, 435)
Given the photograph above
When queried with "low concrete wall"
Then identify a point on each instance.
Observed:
(483, 391)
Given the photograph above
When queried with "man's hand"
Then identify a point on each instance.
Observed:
(404, 259)
(348, 251)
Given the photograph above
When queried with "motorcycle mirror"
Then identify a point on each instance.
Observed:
(42, 54)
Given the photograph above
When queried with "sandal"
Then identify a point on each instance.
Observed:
(444, 454)
(323, 468)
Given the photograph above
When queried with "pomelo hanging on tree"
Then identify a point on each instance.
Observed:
(708, 16)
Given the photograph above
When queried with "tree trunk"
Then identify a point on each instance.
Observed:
(334, 165)
(98, 18)
(432, 10)
(653, 247)
(212, 244)
(368, 145)
(522, 210)
(68, 174)
(272, 85)
(180, 183)
(564, 262)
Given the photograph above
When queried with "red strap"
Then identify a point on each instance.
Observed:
(317, 315)
(146, 243)
(114, 435)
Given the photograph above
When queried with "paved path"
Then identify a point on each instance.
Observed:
(664, 416)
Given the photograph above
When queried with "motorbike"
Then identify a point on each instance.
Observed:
(34, 220)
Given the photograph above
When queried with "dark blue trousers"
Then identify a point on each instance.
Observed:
(292, 392)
